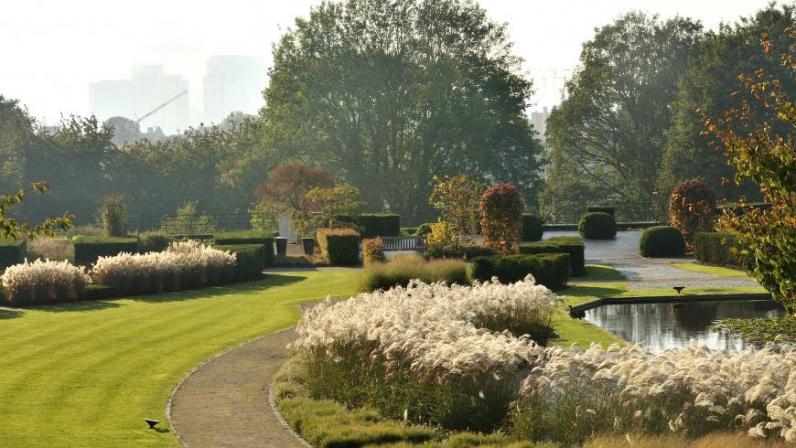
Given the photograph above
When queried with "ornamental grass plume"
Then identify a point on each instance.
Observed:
(425, 350)
(43, 281)
(184, 265)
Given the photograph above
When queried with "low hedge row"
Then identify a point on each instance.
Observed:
(532, 227)
(250, 259)
(661, 241)
(89, 248)
(563, 244)
(718, 248)
(550, 270)
(339, 246)
(12, 252)
(249, 237)
(465, 251)
(597, 226)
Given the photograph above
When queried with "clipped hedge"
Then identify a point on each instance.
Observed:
(89, 248)
(662, 241)
(465, 251)
(249, 259)
(12, 252)
(550, 270)
(153, 242)
(249, 237)
(532, 227)
(601, 209)
(561, 245)
(717, 248)
(597, 226)
(339, 246)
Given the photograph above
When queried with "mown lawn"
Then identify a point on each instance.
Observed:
(87, 374)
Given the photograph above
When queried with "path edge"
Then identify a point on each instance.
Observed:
(207, 361)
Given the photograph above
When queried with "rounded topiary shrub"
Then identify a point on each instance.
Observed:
(662, 241)
(532, 227)
(597, 226)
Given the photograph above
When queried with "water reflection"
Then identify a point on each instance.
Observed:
(660, 326)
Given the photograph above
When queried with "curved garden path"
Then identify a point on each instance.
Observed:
(224, 402)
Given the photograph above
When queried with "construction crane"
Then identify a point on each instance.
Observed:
(184, 92)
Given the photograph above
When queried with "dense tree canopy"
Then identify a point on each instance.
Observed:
(714, 66)
(607, 136)
(389, 93)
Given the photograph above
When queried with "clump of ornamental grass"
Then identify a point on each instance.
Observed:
(571, 395)
(400, 270)
(184, 265)
(425, 353)
(43, 282)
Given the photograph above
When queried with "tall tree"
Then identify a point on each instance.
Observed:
(389, 93)
(16, 135)
(712, 75)
(608, 135)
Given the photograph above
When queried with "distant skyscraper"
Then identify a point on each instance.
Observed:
(539, 120)
(133, 98)
(233, 83)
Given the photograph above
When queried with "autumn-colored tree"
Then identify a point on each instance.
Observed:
(458, 199)
(501, 218)
(763, 151)
(691, 208)
(287, 187)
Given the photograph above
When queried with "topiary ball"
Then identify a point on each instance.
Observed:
(597, 226)
(662, 241)
(532, 227)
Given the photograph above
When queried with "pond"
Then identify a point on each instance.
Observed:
(661, 326)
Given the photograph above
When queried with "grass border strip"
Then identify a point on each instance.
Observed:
(739, 297)
(275, 409)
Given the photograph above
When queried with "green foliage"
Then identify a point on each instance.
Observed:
(594, 209)
(691, 208)
(89, 248)
(12, 252)
(263, 219)
(607, 136)
(550, 270)
(153, 242)
(114, 216)
(464, 251)
(712, 76)
(661, 241)
(455, 197)
(760, 331)
(532, 227)
(501, 218)
(250, 259)
(339, 246)
(187, 221)
(328, 202)
(597, 226)
(248, 237)
(561, 245)
(400, 270)
(11, 229)
(718, 248)
(420, 76)
(423, 229)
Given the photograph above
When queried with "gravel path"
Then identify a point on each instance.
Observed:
(648, 273)
(224, 402)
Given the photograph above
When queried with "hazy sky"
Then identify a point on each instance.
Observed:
(51, 49)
